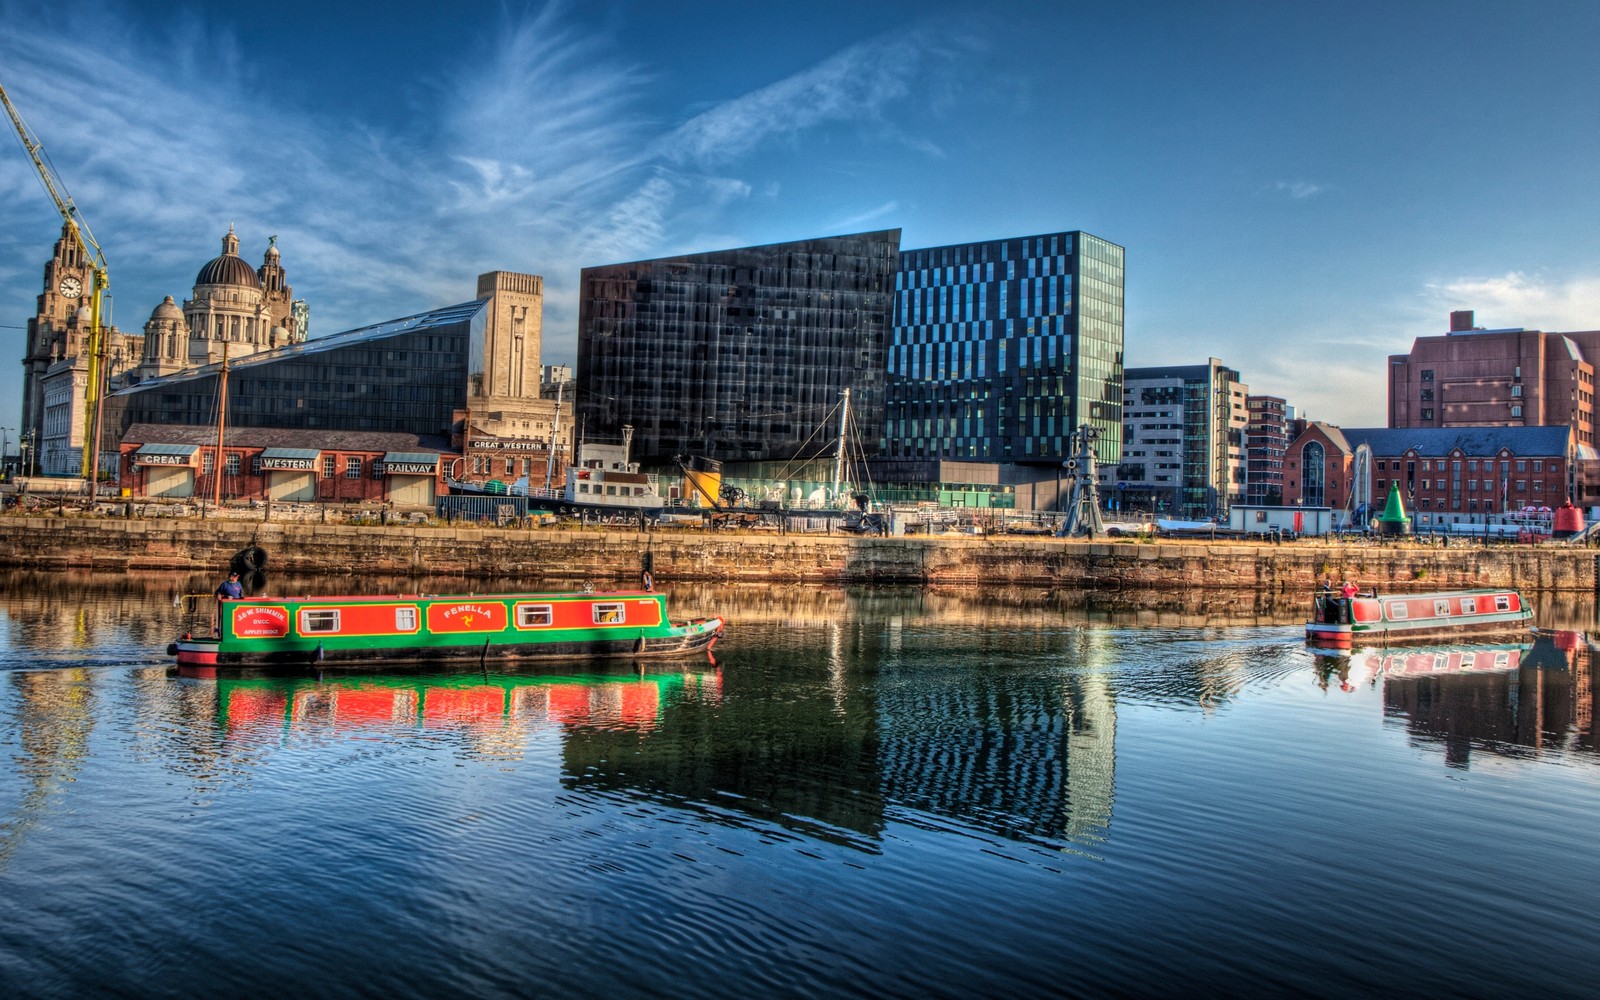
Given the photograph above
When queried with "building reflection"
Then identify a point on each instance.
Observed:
(54, 716)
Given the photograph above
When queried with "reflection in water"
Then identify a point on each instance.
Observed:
(844, 708)
(54, 716)
(1507, 700)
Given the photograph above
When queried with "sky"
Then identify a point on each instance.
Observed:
(1302, 189)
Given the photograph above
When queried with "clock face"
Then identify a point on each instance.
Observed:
(71, 287)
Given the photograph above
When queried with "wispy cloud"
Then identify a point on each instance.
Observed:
(1299, 189)
(863, 218)
(1515, 299)
(854, 85)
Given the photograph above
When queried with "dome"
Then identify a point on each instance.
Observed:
(167, 310)
(229, 269)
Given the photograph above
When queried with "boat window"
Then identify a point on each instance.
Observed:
(1502, 602)
(1469, 605)
(1397, 611)
(535, 615)
(608, 614)
(1441, 608)
(405, 619)
(319, 620)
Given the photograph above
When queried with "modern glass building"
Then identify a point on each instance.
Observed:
(408, 375)
(738, 355)
(1002, 349)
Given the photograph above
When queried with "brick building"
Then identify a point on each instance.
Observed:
(1446, 475)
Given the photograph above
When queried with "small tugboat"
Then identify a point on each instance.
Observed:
(1343, 620)
(365, 632)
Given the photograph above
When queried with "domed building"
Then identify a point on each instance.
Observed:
(234, 304)
(249, 309)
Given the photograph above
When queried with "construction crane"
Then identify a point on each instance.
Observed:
(97, 288)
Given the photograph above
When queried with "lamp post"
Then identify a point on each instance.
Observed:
(5, 446)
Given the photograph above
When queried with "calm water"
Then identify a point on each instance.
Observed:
(869, 794)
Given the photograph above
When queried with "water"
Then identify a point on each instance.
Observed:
(869, 794)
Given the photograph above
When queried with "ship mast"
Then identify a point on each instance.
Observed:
(555, 435)
(838, 464)
(222, 426)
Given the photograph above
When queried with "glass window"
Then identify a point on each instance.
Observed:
(609, 614)
(319, 620)
(328, 466)
(405, 619)
(352, 467)
(233, 464)
(535, 615)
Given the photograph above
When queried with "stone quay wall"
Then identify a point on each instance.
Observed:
(615, 557)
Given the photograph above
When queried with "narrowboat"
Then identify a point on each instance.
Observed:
(1343, 622)
(474, 629)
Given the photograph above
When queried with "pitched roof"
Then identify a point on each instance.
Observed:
(1475, 441)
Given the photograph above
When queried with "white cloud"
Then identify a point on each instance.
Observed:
(1515, 299)
(1299, 189)
(855, 222)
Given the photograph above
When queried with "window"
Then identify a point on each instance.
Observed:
(1397, 611)
(314, 620)
(352, 467)
(405, 619)
(1516, 411)
(255, 465)
(1441, 608)
(1427, 375)
(1502, 602)
(609, 614)
(233, 464)
(327, 466)
(207, 463)
(1427, 413)
(1516, 392)
(1311, 480)
(1469, 605)
(1522, 486)
(535, 615)
(1538, 466)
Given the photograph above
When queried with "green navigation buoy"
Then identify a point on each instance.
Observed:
(1394, 520)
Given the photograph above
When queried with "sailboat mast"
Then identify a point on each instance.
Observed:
(222, 425)
(838, 464)
(555, 435)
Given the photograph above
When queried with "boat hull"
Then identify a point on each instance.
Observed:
(1340, 623)
(366, 632)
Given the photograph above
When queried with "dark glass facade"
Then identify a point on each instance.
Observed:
(738, 354)
(405, 375)
(1002, 349)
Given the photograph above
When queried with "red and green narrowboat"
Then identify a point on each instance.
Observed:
(1343, 622)
(485, 629)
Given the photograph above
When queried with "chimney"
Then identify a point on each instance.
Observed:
(1461, 320)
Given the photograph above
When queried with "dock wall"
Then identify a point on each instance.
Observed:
(611, 557)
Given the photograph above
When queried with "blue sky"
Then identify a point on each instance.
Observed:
(1302, 189)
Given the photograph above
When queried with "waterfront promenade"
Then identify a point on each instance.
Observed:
(614, 556)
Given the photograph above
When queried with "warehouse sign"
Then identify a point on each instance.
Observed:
(289, 464)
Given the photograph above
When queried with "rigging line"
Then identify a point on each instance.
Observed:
(783, 473)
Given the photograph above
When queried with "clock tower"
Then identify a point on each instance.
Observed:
(56, 331)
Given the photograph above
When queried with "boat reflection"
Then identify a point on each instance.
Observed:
(462, 701)
(1505, 700)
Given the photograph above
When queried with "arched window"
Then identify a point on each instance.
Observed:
(1313, 472)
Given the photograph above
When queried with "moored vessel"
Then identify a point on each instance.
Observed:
(1341, 622)
(368, 631)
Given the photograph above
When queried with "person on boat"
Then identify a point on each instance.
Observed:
(231, 588)
(228, 590)
(1349, 590)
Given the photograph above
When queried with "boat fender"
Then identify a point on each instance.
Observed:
(249, 559)
(172, 648)
(648, 580)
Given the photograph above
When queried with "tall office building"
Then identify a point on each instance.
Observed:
(737, 354)
(1184, 427)
(1003, 348)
